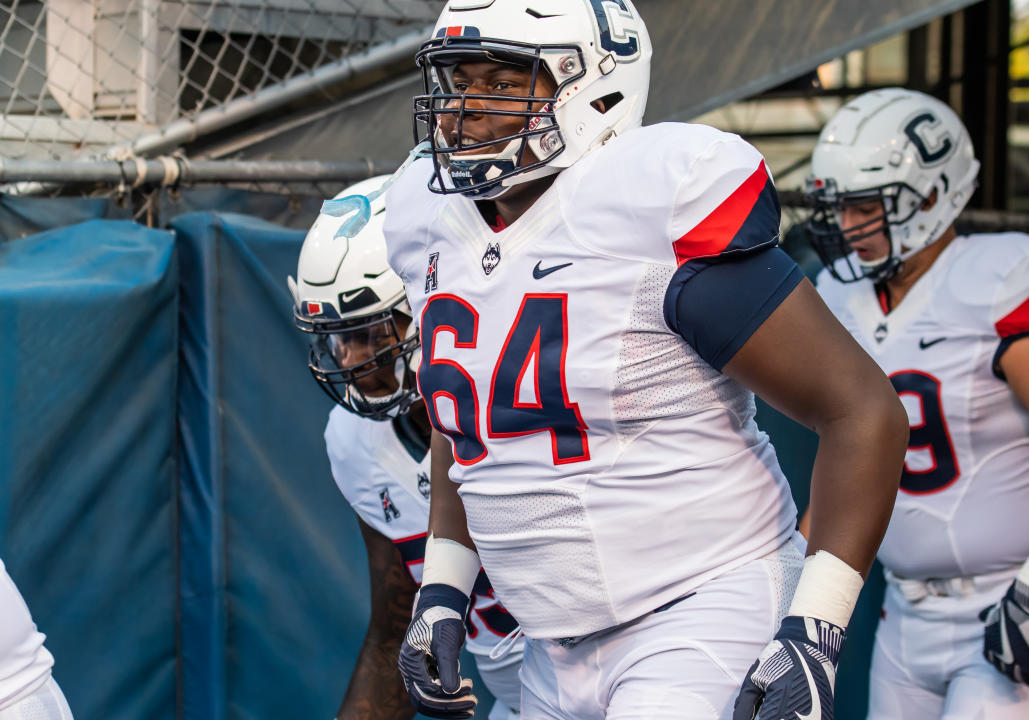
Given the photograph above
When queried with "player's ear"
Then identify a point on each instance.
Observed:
(930, 201)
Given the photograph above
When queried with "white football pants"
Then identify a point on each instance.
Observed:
(501, 679)
(928, 659)
(686, 662)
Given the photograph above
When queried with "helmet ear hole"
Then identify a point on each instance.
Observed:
(603, 104)
(930, 201)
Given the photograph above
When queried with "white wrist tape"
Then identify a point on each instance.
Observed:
(451, 563)
(828, 589)
(1023, 573)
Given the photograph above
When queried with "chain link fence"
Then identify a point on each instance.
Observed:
(78, 77)
(110, 98)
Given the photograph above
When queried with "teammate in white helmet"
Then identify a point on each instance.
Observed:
(27, 689)
(946, 316)
(363, 354)
(597, 301)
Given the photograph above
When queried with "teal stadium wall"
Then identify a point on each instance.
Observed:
(166, 507)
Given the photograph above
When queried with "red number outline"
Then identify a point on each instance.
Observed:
(943, 427)
(534, 351)
(471, 383)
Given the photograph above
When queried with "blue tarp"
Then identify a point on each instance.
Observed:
(274, 578)
(88, 348)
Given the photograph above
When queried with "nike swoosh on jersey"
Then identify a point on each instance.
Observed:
(348, 297)
(923, 344)
(816, 702)
(539, 273)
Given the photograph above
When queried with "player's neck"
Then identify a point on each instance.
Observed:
(413, 430)
(517, 201)
(915, 267)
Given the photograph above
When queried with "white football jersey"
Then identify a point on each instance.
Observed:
(605, 468)
(389, 490)
(24, 662)
(964, 495)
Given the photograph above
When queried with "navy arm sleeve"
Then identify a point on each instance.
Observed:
(718, 307)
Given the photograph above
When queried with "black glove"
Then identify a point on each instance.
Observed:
(1006, 640)
(431, 651)
(795, 675)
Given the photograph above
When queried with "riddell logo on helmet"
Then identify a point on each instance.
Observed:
(314, 308)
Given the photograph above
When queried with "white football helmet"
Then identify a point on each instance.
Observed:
(354, 307)
(894, 146)
(593, 50)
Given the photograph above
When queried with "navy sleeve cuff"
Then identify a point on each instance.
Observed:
(717, 307)
(445, 595)
(1001, 349)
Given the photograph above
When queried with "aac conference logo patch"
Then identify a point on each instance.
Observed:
(389, 510)
(431, 283)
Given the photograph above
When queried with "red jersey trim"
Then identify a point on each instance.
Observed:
(714, 233)
(884, 300)
(498, 225)
(1015, 322)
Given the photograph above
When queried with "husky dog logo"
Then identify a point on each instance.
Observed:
(491, 258)
(388, 508)
(424, 486)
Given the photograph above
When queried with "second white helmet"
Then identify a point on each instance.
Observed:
(364, 343)
(898, 147)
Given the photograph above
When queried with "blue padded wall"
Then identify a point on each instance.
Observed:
(274, 577)
(88, 347)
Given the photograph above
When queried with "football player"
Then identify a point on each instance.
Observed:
(27, 689)
(947, 318)
(597, 302)
(363, 345)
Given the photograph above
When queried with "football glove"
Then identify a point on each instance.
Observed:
(1006, 640)
(430, 654)
(795, 676)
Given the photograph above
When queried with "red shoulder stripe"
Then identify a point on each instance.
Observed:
(714, 233)
(1015, 322)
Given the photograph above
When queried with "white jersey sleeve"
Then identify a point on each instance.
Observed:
(413, 210)
(24, 662)
(990, 287)
(700, 189)
(1010, 313)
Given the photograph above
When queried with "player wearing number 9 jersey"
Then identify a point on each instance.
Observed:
(597, 301)
(947, 318)
(363, 345)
